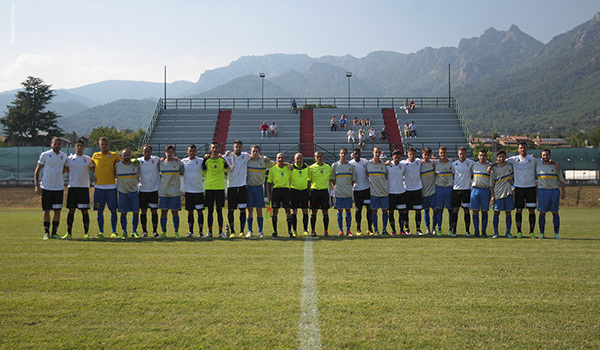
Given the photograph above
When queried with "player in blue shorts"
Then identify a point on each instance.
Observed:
(480, 193)
(551, 189)
(444, 180)
(501, 179)
(342, 179)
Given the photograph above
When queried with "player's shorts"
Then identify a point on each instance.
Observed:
(343, 203)
(525, 197)
(169, 203)
(194, 201)
(148, 200)
(461, 198)
(380, 202)
(443, 197)
(237, 197)
(104, 197)
(548, 200)
(429, 202)
(280, 198)
(504, 204)
(362, 197)
(319, 199)
(397, 201)
(480, 198)
(129, 202)
(52, 200)
(78, 198)
(414, 200)
(256, 197)
(299, 198)
(212, 197)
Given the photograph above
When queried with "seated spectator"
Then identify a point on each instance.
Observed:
(383, 134)
(264, 130)
(362, 122)
(294, 106)
(343, 122)
(411, 105)
(406, 130)
(406, 106)
(361, 137)
(351, 136)
(368, 122)
(372, 133)
(333, 123)
(413, 129)
(355, 121)
(273, 130)
(383, 156)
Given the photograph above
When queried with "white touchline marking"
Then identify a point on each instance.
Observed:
(310, 334)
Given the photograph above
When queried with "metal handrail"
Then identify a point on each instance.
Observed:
(461, 119)
(152, 125)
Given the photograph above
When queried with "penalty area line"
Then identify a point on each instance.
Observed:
(310, 334)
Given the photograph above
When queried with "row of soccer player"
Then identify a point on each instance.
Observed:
(152, 183)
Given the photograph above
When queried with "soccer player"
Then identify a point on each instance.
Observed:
(361, 191)
(105, 189)
(52, 186)
(78, 197)
(237, 192)
(377, 171)
(319, 175)
(279, 192)
(257, 166)
(169, 191)
(194, 189)
(215, 167)
(461, 191)
(525, 194)
(413, 185)
(443, 189)
(501, 178)
(549, 179)
(480, 193)
(428, 190)
(397, 192)
(299, 192)
(128, 174)
(149, 183)
(342, 179)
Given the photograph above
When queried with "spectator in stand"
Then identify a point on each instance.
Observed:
(367, 122)
(355, 121)
(413, 129)
(406, 106)
(411, 105)
(361, 138)
(362, 122)
(372, 133)
(264, 128)
(383, 134)
(406, 130)
(351, 134)
(273, 128)
(294, 106)
(343, 122)
(333, 123)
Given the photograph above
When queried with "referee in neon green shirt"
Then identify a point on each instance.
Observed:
(279, 192)
(319, 175)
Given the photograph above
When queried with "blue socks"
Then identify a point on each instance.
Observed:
(100, 218)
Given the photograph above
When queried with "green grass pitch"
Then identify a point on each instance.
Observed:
(372, 292)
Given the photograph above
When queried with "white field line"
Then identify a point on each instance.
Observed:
(310, 334)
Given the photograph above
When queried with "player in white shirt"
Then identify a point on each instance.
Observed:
(237, 192)
(193, 184)
(361, 191)
(397, 192)
(51, 187)
(413, 184)
(461, 191)
(78, 197)
(149, 183)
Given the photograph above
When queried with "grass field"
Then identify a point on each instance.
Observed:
(372, 293)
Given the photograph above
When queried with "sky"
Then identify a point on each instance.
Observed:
(73, 43)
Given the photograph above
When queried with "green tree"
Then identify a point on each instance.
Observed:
(118, 139)
(27, 122)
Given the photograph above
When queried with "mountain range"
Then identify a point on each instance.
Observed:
(505, 82)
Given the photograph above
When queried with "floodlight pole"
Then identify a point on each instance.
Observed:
(262, 77)
(348, 75)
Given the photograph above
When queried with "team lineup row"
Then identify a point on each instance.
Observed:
(150, 183)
